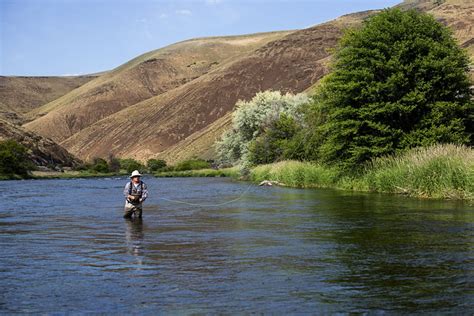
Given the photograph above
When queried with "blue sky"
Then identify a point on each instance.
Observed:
(63, 37)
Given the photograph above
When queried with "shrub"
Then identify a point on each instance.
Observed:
(399, 82)
(155, 164)
(192, 164)
(99, 165)
(114, 163)
(14, 159)
(250, 119)
(130, 164)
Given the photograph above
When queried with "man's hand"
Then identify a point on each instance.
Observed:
(131, 197)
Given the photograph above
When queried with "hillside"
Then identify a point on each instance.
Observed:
(140, 79)
(20, 95)
(174, 102)
(41, 151)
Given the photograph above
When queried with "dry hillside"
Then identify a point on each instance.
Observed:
(23, 94)
(140, 79)
(174, 102)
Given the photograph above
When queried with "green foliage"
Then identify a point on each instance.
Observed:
(398, 82)
(155, 164)
(99, 165)
(251, 119)
(225, 172)
(297, 174)
(274, 143)
(439, 171)
(130, 164)
(192, 164)
(14, 159)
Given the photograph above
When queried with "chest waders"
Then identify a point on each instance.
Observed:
(135, 192)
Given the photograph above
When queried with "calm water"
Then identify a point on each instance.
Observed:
(66, 248)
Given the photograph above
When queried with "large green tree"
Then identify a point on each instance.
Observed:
(400, 81)
(14, 159)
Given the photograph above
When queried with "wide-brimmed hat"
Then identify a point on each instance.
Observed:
(135, 173)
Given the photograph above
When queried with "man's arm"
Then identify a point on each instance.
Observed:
(126, 190)
(144, 192)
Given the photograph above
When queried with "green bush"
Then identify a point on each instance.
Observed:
(398, 82)
(155, 164)
(251, 119)
(130, 164)
(192, 164)
(14, 159)
(99, 165)
(274, 143)
(114, 163)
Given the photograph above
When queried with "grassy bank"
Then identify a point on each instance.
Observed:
(441, 171)
(226, 172)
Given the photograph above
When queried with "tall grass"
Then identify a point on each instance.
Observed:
(440, 171)
(296, 174)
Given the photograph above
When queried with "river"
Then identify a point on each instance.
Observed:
(66, 248)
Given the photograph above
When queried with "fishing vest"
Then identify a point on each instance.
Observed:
(136, 192)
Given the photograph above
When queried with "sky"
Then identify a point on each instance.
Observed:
(73, 37)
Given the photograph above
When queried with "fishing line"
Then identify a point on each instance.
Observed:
(208, 205)
(230, 201)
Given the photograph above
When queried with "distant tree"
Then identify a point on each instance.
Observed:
(14, 159)
(114, 163)
(130, 164)
(100, 165)
(155, 164)
(398, 82)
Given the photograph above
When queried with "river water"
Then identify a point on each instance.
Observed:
(66, 248)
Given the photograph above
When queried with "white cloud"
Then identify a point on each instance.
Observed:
(184, 12)
(163, 16)
(213, 2)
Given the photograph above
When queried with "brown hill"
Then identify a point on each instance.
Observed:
(23, 94)
(144, 77)
(42, 151)
(290, 64)
(185, 117)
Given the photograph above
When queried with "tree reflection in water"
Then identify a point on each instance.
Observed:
(134, 239)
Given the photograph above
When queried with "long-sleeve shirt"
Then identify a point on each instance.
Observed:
(137, 188)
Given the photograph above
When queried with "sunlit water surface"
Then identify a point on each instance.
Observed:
(66, 248)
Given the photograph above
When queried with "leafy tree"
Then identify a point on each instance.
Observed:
(251, 119)
(274, 143)
(14, 159)
(114, 163)
(100, 165)
(398, 82)
(130, 164)
(155, 164)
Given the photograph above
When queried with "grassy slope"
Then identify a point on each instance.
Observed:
(144, 77)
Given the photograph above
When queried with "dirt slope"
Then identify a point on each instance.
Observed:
(23, 94)
(144, 77)
(42, 151)
(290, 64)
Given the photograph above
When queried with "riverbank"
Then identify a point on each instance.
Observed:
(440, 172)
(73, 174)
(225, 172)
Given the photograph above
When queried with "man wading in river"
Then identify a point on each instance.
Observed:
(135, 193)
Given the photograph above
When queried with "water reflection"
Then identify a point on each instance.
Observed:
(134, 239)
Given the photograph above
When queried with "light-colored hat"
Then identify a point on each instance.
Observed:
(135, 173)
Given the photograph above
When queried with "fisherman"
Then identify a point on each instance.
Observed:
(135, 193)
